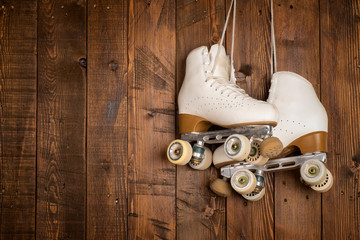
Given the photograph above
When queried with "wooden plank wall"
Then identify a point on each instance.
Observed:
(88, 106)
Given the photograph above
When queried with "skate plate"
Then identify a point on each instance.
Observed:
(220, 136)
(275, 165)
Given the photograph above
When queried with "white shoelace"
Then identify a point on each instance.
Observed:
(232, 7)
(221, 83)
(273, 46)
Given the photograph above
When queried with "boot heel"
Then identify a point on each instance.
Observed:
(192, 123)
(312, 142)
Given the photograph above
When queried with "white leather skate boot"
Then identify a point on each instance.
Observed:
(209, 98)
(303, 120)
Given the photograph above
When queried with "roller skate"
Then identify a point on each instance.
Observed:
(209, 96)
(302, 129)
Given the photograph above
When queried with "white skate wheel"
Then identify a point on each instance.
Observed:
(255, 157)
(326, 184)
(205, 163)
(313, 172)
(237, 147)
(179, 152)
(254, 196)
(243, 181)
(220, 159)
(221, 187)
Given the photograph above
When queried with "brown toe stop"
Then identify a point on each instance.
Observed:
(271, 147)
(221, 187)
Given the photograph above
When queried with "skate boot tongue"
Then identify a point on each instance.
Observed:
(223, 66)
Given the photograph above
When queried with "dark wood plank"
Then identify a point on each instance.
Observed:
(151, 95)
(199, 23)
(18, 35)
(252, 220)
(297, 208)
(61, 166)
(107, 120)
(340, 88)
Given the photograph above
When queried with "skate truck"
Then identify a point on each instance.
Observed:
(302, 127)
(248, 180)
(241, 143)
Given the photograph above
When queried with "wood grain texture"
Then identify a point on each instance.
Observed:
(297, 208)
(18, 34)
(246, 219)
(61, 167)
(340, 88)
(88, 107)
(107, 120)
(151, 96)
(200, 214)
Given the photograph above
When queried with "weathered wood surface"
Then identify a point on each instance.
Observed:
(297, 208)
(151, 115)
(107, 120)
(88, 106)
(61, 165)
(17, 119)
(340, 88)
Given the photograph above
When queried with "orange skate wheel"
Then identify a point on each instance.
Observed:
(221, 187)
(179, 152)
(243, 181)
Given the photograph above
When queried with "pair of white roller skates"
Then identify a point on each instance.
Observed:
(212, 98)
(253, 131)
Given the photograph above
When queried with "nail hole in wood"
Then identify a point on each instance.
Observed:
(83, 62)
(113, 66)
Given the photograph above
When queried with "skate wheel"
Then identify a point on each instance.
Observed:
(271, 147)
(254, 196)
(221, 187)
(313, 172)
(243, 181)
(237, 147)
(255, 157)
(326, 184)
(179, 152)
(205, 163)
(220, 159)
